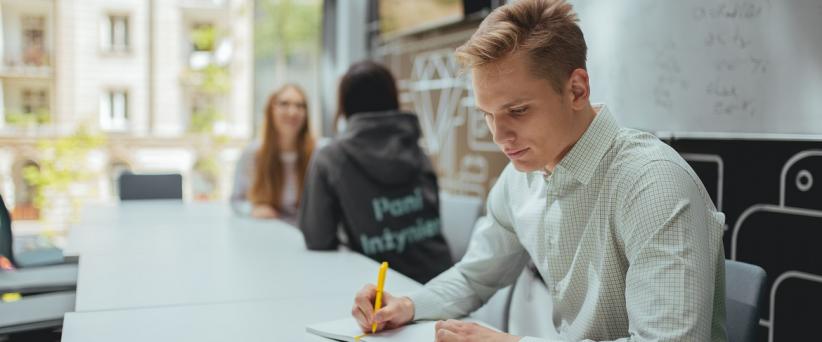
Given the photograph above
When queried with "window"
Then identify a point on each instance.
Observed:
(114, 34)
(203, 43)
(114, 110)
(34, 101)
(24, 193)
(34, 48)
(394, 14)
(203, 36)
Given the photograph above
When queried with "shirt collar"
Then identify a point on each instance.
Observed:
(581, 161)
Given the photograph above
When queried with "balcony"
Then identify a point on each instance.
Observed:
(203, 4)
(33, 64)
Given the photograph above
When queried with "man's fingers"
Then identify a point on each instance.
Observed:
(386, 314)
(451, 325)
(365, 301)
(360, 318)
(367, 294)
(367, 312)
(445, 335)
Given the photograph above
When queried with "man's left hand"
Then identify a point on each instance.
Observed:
(457, 331)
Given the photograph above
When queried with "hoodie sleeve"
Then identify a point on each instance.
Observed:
(319, 209)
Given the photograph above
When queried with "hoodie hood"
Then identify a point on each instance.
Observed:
(385, 146)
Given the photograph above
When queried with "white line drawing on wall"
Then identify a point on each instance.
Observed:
(471, 177)
(474, 168)
(436, 71)
(775, 288)
(781, 208)
(720, 170)
(436, 74)
(479, 137)
(804, 179)
(771, 208)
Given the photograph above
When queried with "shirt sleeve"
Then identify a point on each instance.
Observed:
(671, 249)
(242, 182)
(494, 259)
(319, 214)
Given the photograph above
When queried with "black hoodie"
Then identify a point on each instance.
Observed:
(379, 185)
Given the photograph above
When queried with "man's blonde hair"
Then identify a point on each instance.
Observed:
(546, 30)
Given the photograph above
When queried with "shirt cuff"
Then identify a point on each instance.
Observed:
(426, 305)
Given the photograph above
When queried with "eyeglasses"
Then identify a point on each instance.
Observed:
(288, 104)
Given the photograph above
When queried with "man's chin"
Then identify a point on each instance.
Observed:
(524, 166)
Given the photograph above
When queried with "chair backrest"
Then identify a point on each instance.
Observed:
(744, 288)
(530, 307)
(5, 232)
(458, 213)
(150, 186)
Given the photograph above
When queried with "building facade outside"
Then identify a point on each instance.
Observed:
(166, 85)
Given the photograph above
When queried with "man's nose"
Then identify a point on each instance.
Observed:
(503, 134)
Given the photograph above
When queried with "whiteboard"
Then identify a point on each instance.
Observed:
(744, 66)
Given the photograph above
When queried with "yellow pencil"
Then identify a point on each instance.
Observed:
(380, 286)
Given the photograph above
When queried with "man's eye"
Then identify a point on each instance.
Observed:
(519, 111)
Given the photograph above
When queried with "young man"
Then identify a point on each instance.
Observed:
(618, 225)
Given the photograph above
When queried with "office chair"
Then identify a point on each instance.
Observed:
(47, 289)
(744, 287)
(150, 186)
(36, 271)
(458, 214)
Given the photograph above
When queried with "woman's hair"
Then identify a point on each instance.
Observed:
(267, 187)
(367, 86)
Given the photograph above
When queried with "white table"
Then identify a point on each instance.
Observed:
(260, 320)
(172, 271)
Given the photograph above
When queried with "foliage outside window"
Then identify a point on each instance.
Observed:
(27, 119)
(63, 162)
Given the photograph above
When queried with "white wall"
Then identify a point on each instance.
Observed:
(93, 71)
(168, 104)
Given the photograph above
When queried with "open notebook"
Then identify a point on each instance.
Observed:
(347, 329)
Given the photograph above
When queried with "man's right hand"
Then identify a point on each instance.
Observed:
(395, 312)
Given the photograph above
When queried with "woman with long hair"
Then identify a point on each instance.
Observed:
(375, 182)
(270, 173)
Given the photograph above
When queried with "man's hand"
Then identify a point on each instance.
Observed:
(457, 331)
(264, 212)
(396, 311)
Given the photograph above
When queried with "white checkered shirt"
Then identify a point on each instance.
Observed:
(623, 233)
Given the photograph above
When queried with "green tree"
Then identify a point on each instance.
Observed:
(212, 82)
(287, 26)
(39, 117)
(63, 163)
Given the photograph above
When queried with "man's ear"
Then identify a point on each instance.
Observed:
(579, 89)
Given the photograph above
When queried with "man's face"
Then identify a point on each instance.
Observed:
(531, 123)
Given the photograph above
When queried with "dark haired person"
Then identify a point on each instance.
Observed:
(375, 182)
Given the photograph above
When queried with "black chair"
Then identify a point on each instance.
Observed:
(48, 291)
(37, 270)
(150, 186)
(36, 312)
